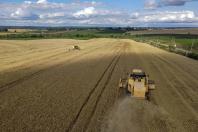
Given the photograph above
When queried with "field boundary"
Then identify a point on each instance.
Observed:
(172, 49)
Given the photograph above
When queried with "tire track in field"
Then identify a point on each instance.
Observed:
(178, 60)
(160, 66)
(184, 88)
(180, 96)
(181, 72)
(185, 124)
(102, 91)
(27, 77)
(70, 127)
(170, 66)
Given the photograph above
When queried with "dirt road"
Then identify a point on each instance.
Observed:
(44, 86)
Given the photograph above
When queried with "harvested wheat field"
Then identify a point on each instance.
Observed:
(46, 86)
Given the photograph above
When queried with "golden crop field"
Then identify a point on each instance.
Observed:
(46, 86)
(20, 30)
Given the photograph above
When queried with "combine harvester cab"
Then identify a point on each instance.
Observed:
(137, 84)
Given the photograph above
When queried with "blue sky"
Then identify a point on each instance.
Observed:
(159, 13)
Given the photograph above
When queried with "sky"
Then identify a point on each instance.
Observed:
(118, 13)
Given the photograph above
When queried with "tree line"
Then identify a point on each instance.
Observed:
(3, 30)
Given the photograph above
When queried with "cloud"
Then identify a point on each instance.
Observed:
(135, 15)
(41, 2)
(93, 3)
(52, 15)
(87, 12)
(168, 17)
(28, 2)
(150, 4)
(153, 4)
(18, 13)
(23, 14)
(174, 2)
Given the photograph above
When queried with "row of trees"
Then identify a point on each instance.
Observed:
(3, 30)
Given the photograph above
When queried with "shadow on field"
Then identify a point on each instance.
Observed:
(66, 68)
(60, 90)
(51, 95)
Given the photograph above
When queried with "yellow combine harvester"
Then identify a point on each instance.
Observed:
(76, 47)
(137, 84)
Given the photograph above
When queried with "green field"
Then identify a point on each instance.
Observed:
(181, 40)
